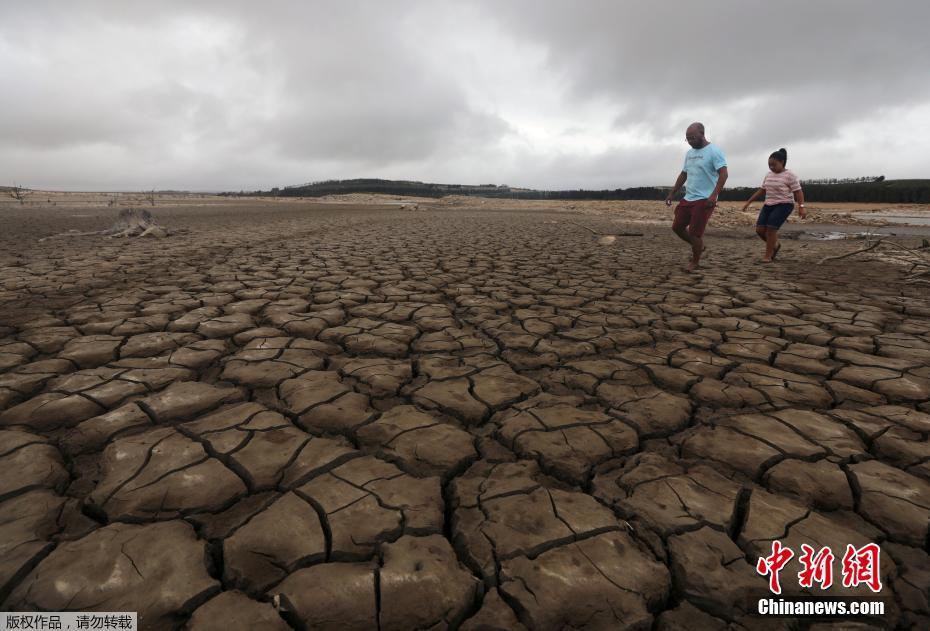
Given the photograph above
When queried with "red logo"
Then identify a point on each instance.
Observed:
(773, 564)
(860, 566)
(817, 568)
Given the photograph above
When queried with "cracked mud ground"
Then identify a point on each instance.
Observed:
(345, 417)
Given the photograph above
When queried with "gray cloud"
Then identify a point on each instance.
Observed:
(555, 94)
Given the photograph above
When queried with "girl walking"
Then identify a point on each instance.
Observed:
(782, 189)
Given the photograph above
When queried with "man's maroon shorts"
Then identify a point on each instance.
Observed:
(693, 214)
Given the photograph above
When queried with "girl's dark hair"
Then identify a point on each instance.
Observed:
(781, 155)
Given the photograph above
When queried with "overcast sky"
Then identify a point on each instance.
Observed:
(234, 95)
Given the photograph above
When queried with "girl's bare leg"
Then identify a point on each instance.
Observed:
(771, 242)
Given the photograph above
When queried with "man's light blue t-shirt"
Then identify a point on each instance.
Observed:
(702, 165)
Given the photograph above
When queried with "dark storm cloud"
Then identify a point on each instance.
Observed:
(727, 49)
(230, 95)
(813, 66)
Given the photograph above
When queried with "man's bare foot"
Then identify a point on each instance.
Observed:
(766, 260)
(693, 265)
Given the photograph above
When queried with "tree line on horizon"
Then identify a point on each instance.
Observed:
(873, 189)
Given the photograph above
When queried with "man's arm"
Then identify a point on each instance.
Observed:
(678, 184)
(721, 180)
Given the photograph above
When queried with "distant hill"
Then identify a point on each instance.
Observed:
(427, 189)
(870, 190)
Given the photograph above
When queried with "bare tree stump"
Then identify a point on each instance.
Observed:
(131, 222)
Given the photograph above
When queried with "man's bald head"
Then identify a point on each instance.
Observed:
(695, 135)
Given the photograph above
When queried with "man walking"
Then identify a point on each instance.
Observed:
(704, 174)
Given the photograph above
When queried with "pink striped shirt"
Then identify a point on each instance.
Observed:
(779, 187)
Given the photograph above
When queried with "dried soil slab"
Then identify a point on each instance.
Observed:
(501, 513)
(186, 400)
(905, 450)
(224, 523)
(494, 615)
(422, 585)
(50, 411)
(419, 443)
(151, 344)
(895, 501)
(470, 388)
(392, 311)
(905, 417)
(222, 326)
(198, 355)
(894, 384)
(566, 441)
(157, 570)
(28, 461)
(332, 596)
(453, 397)
(264, 332)
(273, 543)
(368, 336)
(232, 609)
(718, 394)
(24, 381)
(91, 351)
(671, 497)
(913, 577)
(13, 354)
(652, 411)
(178, 401)
(306, 325)
(822, 484)
(747, 443)
(837, 439)
(110, 386)
(587, 374)
(93, 434)
(708, 569)
(89, 393)
(380, 377)
(772, 431)
(324, 403)
(161, 474)
(50, 339)
(367, 501)
(250, 307)
(27, 523)
(605, 582)
(805, 359)
(845, 394)
(452, 340)
(264, 448)
(754, 350)
(780, 387)
(687, 617)
(265, 363)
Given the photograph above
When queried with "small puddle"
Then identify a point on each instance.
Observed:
(833, 235)
(906, 218)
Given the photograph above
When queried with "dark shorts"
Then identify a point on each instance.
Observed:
(774, 216)
(694, 214)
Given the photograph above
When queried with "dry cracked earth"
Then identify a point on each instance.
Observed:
(342, 417)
